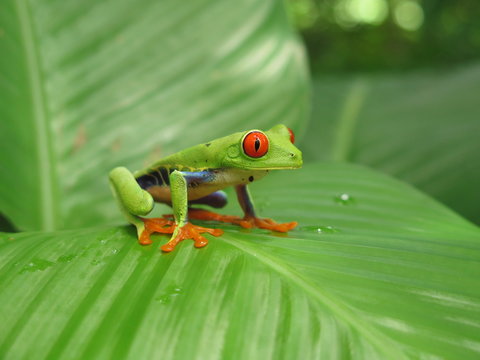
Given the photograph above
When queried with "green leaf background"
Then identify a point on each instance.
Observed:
(343, 286)
(420, 127)
(375, 270)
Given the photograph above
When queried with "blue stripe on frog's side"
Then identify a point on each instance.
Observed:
(200, 184)
(154, 181)
(160, 177)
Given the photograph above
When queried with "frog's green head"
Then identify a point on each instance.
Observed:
(255, 149)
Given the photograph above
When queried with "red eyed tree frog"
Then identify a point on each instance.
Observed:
(196, 176)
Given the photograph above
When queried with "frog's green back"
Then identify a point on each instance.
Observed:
(196, 158)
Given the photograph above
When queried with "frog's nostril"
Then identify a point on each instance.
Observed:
(292, 154)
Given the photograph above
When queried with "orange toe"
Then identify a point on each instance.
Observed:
(191, 231)
(269, 224)
(155, 225)
(205, 215)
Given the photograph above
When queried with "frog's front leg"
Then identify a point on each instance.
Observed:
(250, 218)
(183, 228)
(135, 202)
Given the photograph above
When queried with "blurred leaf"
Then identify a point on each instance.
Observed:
(422, 128)
(376, 270)
(88, 85)
(6, 225)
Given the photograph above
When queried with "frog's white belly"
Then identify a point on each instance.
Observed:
(215, 180)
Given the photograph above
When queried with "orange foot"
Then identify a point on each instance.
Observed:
(165, 226)
(155, 225)
(190, 231)
(245, 222)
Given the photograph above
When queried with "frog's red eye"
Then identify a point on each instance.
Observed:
(292, 135)
(255, 144)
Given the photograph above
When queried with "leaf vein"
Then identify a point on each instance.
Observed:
(45, 160)
(376, 338)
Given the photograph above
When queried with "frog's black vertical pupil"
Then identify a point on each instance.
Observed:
(257, 144)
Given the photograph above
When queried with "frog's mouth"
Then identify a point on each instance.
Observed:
(289, 167)
(268, 168)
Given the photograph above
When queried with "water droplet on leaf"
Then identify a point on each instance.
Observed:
(66, 258)
(344, 199)
(170, 294)
(326, 230)
(320, 229)
(37, 265)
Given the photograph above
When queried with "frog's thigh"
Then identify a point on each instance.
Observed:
(131, 196)
(218, 199)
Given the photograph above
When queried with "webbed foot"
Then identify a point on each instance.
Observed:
(190, 231)
(246, 222)
(269, 224)
(155, 225)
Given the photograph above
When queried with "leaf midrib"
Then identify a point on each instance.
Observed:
(376, 338)
(47, 204)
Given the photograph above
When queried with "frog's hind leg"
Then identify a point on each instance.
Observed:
(217, 200)
(135, 202)
(249, 220)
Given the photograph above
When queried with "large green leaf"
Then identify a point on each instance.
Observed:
(421, 127)
(375, 270)
(88, 85)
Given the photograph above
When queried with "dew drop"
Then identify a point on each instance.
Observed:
(164, 299)
(66, 258)
(326, 230)
(95, 262)
(344, 199)
(170, 294)
(320, 229)
(37, 264)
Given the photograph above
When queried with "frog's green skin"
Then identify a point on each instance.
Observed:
(196, 175)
